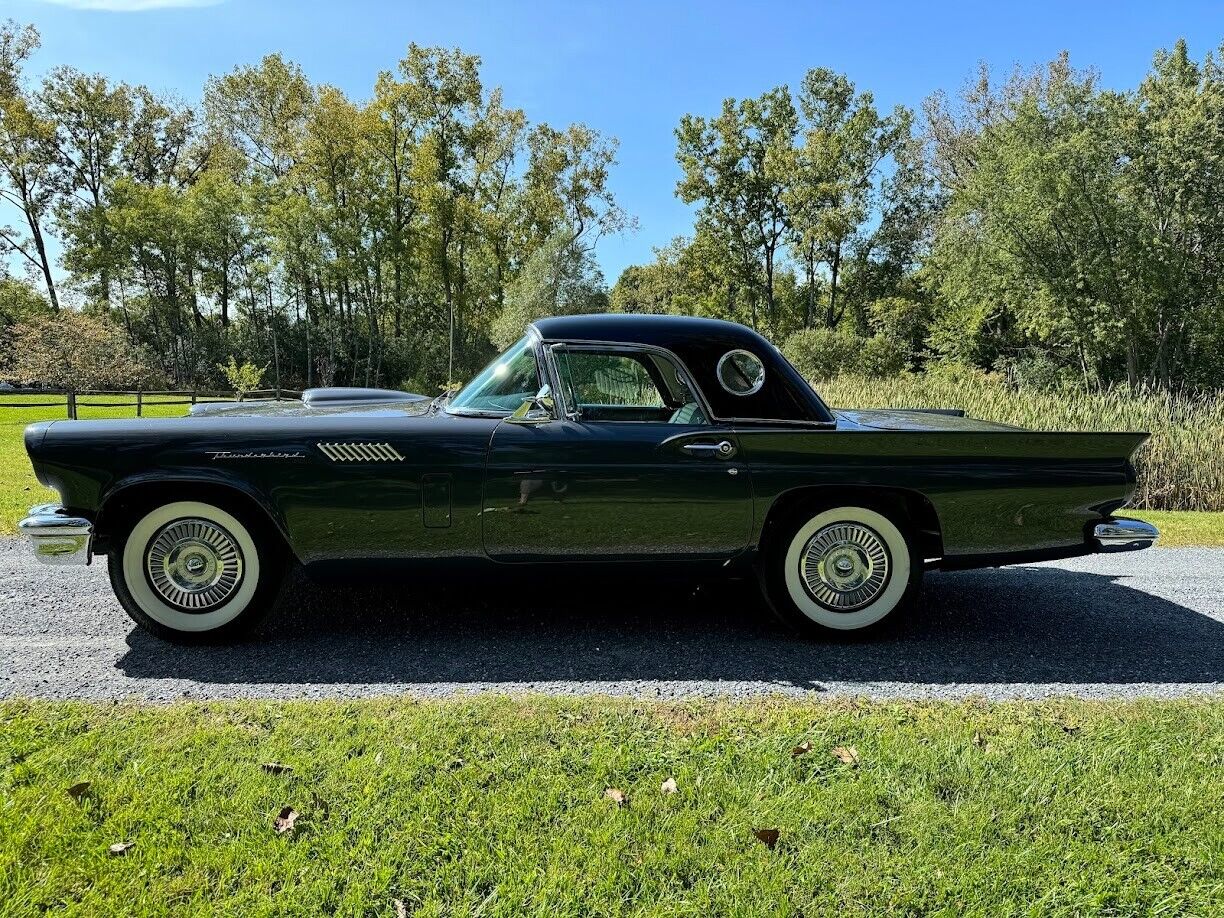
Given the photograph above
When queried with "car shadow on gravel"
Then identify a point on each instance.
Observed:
(1011, 625)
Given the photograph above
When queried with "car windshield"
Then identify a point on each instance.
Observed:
(502, 386)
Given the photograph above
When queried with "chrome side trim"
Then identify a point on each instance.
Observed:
(56, 537)
(360, 452)
(1124, 535)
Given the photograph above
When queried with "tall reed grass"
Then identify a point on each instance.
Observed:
(1180, 468)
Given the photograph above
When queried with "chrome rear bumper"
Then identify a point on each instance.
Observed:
(56, 537)
(1124, 535)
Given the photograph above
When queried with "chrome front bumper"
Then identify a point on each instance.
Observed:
(58, 538)
(1124, 535)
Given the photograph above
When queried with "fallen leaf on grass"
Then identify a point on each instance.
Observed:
(276, 768)
(401, 910)
(767, 837)
(847, 755)
(669, 786)
(120, 848)
(77, 791)
(285, 821)
(616, 795)
(802, 749)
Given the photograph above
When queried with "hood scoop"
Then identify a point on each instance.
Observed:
(349, 395)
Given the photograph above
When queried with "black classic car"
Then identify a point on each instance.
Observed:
(600, 439)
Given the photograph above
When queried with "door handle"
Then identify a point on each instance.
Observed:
(724, 449)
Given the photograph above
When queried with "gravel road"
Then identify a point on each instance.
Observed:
(1147, 624)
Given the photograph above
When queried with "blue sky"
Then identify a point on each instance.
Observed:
(630, 69)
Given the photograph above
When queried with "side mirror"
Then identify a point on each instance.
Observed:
(539, 409)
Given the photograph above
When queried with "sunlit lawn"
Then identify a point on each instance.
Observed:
(498, 807)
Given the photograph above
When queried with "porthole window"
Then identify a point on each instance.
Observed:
(741, 373)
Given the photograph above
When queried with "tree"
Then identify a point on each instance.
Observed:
(1092, 218)
(242, 377)
(560, 278)
(20, 303)
(736, 165)
(73, 351)
(92, 120)
(833, 178)
(26, 155)
(295, 227)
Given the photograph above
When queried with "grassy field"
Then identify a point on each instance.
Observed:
(499, 807)
(19, 489)
(1183, 528)
(1180, 468)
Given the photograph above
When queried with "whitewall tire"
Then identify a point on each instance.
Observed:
(841, 569)
(191, 571)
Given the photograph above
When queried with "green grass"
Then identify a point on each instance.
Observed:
(496, 807)
(1180, 468)
(1180, 528)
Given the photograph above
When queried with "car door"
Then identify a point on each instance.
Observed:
(629, 468)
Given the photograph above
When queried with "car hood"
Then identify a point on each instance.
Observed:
(289, 409)
(323, 403)
(941, 419)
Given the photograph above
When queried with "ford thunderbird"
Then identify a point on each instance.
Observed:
(603, 440)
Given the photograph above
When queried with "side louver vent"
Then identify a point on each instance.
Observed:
(360, 452)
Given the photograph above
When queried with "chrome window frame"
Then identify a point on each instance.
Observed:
(571, 412)
(757, 386)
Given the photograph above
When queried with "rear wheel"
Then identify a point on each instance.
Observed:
(193, 572)
(841, 569)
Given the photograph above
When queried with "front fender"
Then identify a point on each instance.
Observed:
(195, 484)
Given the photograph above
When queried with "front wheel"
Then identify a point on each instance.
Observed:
(193, 572)
(841, 569)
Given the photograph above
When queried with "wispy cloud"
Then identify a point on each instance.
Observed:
(131, 6)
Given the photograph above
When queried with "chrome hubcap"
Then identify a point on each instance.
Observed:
(194, 565)
(845, 566)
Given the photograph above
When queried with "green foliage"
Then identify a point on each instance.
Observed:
(794, 175)
(560, 278)
(883, 355)
(19, 302)
(289, 225)
(821, 353)
(242, 378)
(904, 322)
(74, 351)
(1086, 222)
(1045, 227)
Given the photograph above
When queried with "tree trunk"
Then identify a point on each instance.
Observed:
(44, 262)
(834, 267)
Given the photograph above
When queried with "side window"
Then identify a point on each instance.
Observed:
(624, 385)
(610, 379)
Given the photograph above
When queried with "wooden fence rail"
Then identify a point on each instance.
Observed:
(74, 399)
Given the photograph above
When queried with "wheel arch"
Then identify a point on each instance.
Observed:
(914, 506)
(134, 495)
